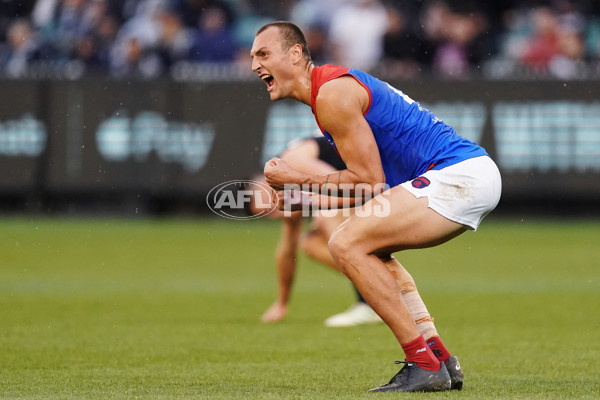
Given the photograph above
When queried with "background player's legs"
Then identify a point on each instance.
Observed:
(314, 244)
(285, 263)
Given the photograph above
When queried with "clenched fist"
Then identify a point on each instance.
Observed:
(278, 173)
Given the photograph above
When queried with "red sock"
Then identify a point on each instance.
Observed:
(419, 353)
(438, 348)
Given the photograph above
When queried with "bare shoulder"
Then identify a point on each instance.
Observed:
(344, 91)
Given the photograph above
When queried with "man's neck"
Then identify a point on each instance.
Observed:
(304, 84)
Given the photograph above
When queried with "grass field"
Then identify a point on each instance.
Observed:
(169, 309)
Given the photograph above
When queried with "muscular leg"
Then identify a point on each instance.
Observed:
(424, 321)
(412, 299)
(358, 242)
(314, 244)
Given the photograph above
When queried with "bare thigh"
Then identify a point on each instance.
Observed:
(410, 224)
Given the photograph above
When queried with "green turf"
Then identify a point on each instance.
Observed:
(169, 309)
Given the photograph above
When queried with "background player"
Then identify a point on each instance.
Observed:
(311, 154)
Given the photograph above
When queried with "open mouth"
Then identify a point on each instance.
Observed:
(269, 80)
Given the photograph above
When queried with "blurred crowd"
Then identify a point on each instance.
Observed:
(454, 39)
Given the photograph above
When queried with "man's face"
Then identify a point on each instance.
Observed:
(272, 64)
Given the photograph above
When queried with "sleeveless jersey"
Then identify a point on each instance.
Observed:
(410, 138)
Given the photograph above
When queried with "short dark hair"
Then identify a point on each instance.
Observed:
(291, 35)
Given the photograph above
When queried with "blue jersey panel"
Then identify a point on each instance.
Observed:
(410, 138)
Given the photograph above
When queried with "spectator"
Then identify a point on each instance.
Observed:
(214, 40)
(104, 34)
(133, 51)
(543, 44)
(143, 25)
(131, 58)
(356, 34)
(451, 38)
(61, 24)
(192, 10)
(175, 40)
(11, 10)
(21, 48)
(87, 53)
(307, 13)
(404, 53)
(456, 37)
(93, 47)
(550, 40)
(316, 36)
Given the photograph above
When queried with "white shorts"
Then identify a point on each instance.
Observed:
(465, 192)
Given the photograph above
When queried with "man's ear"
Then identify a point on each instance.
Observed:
(296, 52)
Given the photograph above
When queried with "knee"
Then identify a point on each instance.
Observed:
(344, 250)
(336, 245)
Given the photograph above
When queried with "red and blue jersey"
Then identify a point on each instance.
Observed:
(410, 138)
